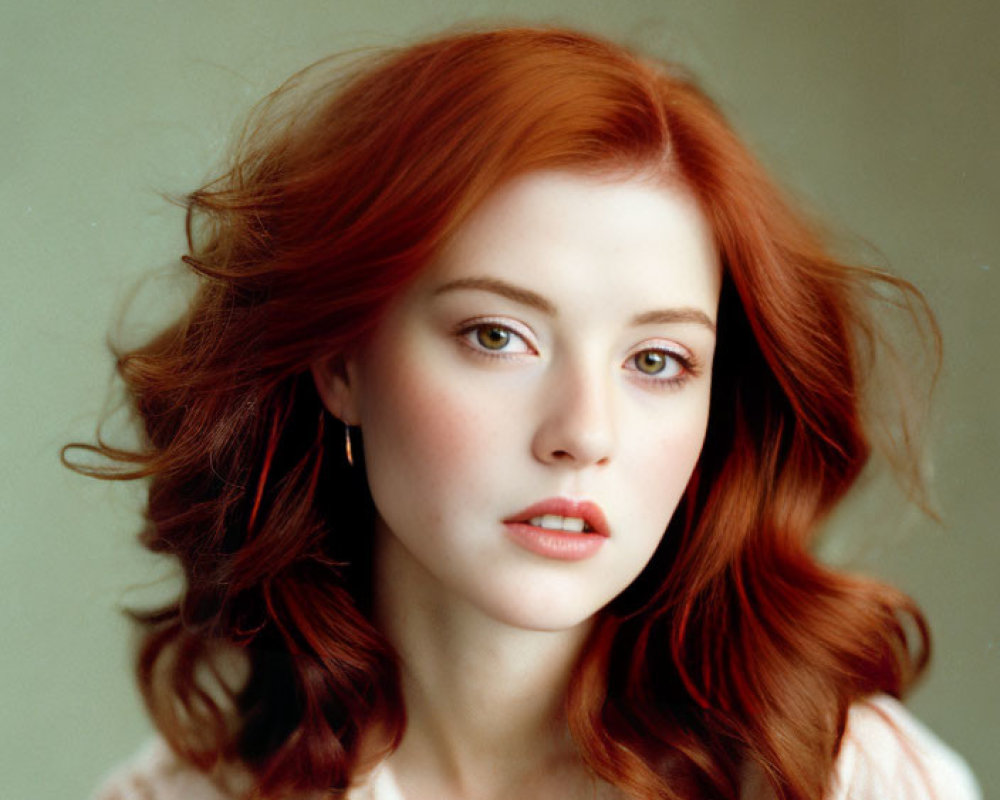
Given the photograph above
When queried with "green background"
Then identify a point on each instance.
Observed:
(880, 117)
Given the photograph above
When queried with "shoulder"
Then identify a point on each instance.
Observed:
(887, 754)
(156, 773)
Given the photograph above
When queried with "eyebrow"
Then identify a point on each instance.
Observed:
(518, 294)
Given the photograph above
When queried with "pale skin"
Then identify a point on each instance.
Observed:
(559, 347)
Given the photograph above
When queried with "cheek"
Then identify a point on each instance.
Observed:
(664, 463)
(423, 434)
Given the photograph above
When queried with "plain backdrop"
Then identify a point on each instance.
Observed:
(879, 117)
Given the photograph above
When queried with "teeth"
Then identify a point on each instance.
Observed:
(556, 523)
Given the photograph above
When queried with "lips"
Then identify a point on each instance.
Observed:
(591, 514)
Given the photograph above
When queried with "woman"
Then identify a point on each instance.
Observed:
(492, 447)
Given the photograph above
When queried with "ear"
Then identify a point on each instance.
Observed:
(332, 377)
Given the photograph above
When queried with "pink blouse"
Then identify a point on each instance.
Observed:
(887, 754)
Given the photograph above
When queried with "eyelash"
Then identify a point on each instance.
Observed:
(688, 364)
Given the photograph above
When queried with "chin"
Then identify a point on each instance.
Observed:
(544, 614)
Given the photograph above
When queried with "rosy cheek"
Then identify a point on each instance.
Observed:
(668, 466)
(427, 428)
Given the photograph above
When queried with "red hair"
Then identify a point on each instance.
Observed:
(734, 648)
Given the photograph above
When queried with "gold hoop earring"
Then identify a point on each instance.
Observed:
(347, 445)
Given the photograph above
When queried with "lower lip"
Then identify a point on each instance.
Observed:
(559, 545)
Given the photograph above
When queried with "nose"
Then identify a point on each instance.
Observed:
(577, 424)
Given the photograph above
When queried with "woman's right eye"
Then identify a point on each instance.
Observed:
(495, 339)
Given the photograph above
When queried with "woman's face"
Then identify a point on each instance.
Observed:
(551, 368)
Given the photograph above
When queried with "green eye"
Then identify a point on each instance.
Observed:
(651, 362)
(492, 337)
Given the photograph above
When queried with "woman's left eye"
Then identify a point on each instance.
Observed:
(660, 364)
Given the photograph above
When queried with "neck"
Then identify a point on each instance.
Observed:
(479, 693)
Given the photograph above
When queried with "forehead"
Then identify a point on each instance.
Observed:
(589, 240)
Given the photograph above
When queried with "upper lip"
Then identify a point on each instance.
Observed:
(589, 512)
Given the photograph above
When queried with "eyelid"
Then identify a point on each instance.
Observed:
(669, 346)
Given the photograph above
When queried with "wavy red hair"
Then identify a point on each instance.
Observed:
(735, 649)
